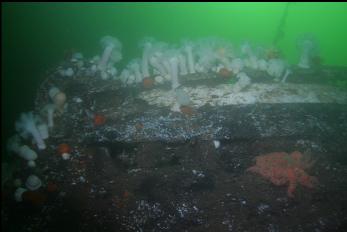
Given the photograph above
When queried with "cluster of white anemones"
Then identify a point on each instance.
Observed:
(164, 62)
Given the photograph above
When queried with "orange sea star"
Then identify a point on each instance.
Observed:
(282, 168)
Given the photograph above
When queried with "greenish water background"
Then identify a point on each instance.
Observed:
(35, 35)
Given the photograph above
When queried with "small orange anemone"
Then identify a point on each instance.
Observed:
(126, 194)
(99, 120)
(34, 197)
(52, 187)
(139, 126)
(148, 82)
(317, 60)
(187, 110)
(64, 148)
(273, 53)
(224, 72)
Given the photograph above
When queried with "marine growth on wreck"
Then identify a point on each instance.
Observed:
(200, 134)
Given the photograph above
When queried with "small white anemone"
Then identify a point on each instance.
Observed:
(26, 125)
(276, 68)
(65, 156)
(236, 65)
(33, 183)
(31, 164)
(111, 53)
(19, 193)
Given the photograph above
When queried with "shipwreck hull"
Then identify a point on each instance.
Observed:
(298, 120)
(297, 108)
